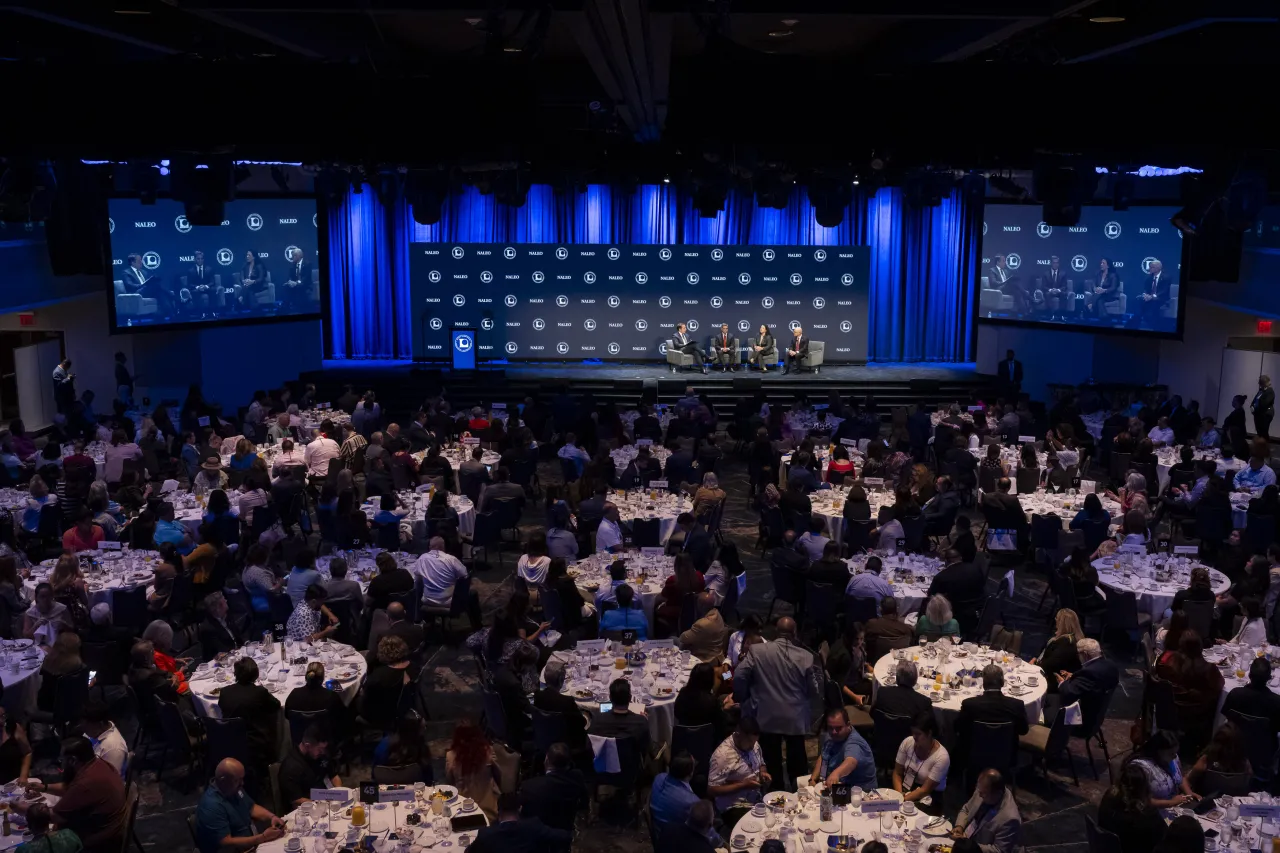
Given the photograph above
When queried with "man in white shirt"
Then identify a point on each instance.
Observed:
(737, 771)
(320, 451)
(609, 533)
(108, 744)
(440, 572)
(1161, 434)
(573, 452)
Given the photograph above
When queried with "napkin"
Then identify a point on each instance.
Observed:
(606, 754)
(168, 486)
(1073, 716)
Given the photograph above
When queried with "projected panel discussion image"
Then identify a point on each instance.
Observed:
(1111, 270)
(260, 263)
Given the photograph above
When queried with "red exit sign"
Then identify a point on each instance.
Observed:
(1264, 327)
(27, 318)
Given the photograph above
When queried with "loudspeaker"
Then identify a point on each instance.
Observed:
(748, 384)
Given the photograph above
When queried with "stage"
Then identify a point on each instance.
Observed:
(403, 385)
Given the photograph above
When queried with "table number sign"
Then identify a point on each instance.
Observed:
(596, 646)
(875, 806)
(104, 545)
(849, 442)
(644, 442)
(841, 795)
(369, 792)
(1186, 549)
(1266, 811)
(333, 795)
(651, 552)
(658, 644)
(471, 440)
(397, 794)
(658, 484)
(1026, 439)
(873, 481)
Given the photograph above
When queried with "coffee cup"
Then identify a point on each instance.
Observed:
(908, 808)
(739, 841)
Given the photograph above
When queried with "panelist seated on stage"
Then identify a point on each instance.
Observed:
(797, 350)
(1155, 293)
(203, 283)
(761, 349)
(1002, 278)
(253, 281)
(685, 344)
(137, 279)
(296, 292)
(1106, 289)
(724, 348)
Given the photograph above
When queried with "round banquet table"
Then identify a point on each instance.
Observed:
(21, 687)
(266, 452)
(1022, 680)
(361, 565)
(96, 450)
(416, 503)
(804, 423)
(623, 455)
(1135, 573)
(309, 420)
(938, 416)
(188, 510)
(638, 504)
(104, 572)
(10, 795)
(753, 830)
(311, 821)
(1257, 833)
(459, 454)
(14, 500)
(630, 416)
(342, 663)
(829, 503)
(663, 672)
(1235, 658)
(1064, 505)
(1012, 457)
(910, 576)
(592, 574)
(1167, 457)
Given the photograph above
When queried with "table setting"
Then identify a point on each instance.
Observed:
(267, 452)
(647, 504)
(829, 503)
(1065, 505)
(804, 422)
(646, 574)
(1012, 456)
(809, 822)
(951, 672)
(910, 575)
(282, 666)
(96, 450)
(417, 502)
(630, 416)
(309, 420)
(20, 662)
(1154, 578)
(655, 669)
(189, 509)
(623, 455)
(422, 821)
(940, 415)
(14, 500)
(1167, 457)
(1238, 824)
(10, 793)
(361, 564)
(823, 452)
(104, 572)
(457, 454)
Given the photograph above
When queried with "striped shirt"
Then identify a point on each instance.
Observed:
(354, 442)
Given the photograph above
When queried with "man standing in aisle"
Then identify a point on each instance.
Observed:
(797, 352)
(1264, 408)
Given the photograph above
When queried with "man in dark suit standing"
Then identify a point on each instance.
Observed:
(1264, 408)
(297, 281)
(514, 834)
(1002, 278)
(557, 795)
(696, 543)
(1010, 373)
(797, 351)
(681, 341)
(991, 707)
(724, 346)
(964, 585)
(1155, 293)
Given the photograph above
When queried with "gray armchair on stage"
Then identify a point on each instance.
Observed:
(729, 355)
(813, 361)
(266, 296)
(132, 304)
(678, 359)
(212, 296)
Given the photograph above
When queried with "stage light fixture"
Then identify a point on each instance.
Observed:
(1062, 190)
(1007, 186)
(203, 187)
(829, 198)
(709, 200)
(144, 180)
(426, 193)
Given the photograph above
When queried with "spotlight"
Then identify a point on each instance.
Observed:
(773, 189)
(829, 199)
(426, 193)
(709, 200)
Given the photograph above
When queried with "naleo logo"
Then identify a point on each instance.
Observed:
(486, 276)
(539, 324)
(820, 255)
(458, 251)
(562, 253)
(1111, 230)
(181, 224)
(819, 303)
(796, 278)
(511, 347)
(487, 324)
(717, 302)
(150, 260)
(1146, 264)
(111, 225)
(437, 323)
(664, 254)
(641, 325)
(1043, 229)
(614, 254)
(562, 348)
(793, 325)
(562, 301)
(589, 277)
(1079, 263)
(846, 326)
(433, 276)
(692, 278)
(1013, 260)
(692, 325)
(614, 302)
(509, 253)
(510, 300)
(225, 257)
(743, 325)
(589, 324)
(459, 300)
(538, 277)
(768, 254)
(253, 221)
(664, 301)
(767, 302)
(846, 279)
(462, 343)
(717, 254)
(641, 277)
(614, 349)
(744, 278)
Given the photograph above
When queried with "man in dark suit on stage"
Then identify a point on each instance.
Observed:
(1155, 293)
(137, 280)
(1002, 278)
(797, 350)
(724, 346)
(297, 281)
(200, 282)
(681, 341)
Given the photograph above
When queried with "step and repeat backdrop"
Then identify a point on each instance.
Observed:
(538, 302)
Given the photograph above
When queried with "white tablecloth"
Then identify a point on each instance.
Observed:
(649, 504)
(104, 571)
(1134, 573)
(21, 687)
(753, 830)
(361, 565)
(416, 503)
(910, 576)
(342, 663)
(1251, 828)
(592, 574)
(829, 503)
(1022, 680)
(1167, 457)
(663, 670)
(623, 455)
(8, 842)
(630, 416)
(1064, 505)
(1233, 658)
(382, 819)
(1012, 457)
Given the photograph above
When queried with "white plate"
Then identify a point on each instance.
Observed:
(749, 825)
(941, 829)
(831, 827)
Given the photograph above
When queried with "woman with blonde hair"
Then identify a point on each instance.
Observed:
(937, 618)
(69, 589)
(63, 658)
(40, 498)
(1059, 653)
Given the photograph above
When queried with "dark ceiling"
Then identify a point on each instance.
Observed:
(983, 83)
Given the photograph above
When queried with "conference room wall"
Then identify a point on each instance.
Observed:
(28, 277)
(1192, 367)
(83, 323)
(1047, 356)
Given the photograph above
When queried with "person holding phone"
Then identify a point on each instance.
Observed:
(737, 772)
(312, 621)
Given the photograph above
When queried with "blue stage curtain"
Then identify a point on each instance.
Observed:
(924, 261)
